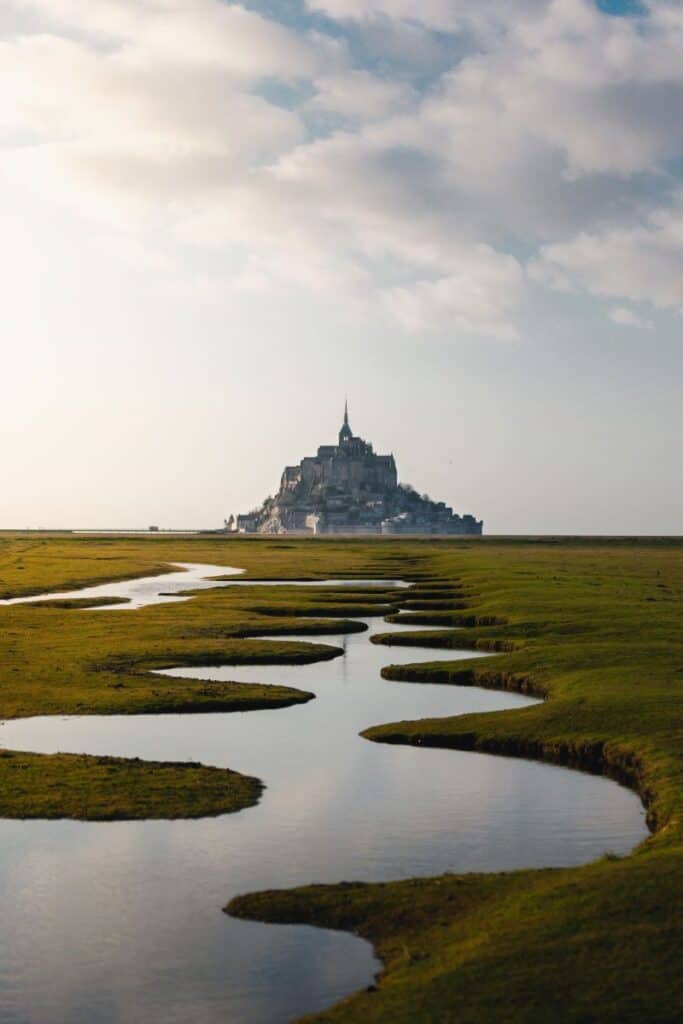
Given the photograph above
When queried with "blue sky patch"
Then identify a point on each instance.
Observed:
(622, 8)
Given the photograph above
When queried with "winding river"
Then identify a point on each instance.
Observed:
(121, 921)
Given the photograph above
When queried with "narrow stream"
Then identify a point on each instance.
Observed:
(122, 921)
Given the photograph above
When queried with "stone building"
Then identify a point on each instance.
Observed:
(347, 488)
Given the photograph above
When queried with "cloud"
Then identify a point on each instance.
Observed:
(481, 298)
(359, 95)
(412, 186)
(202, 34)
(627, 318)
(437, 15)
(164, 113)
(641, 262)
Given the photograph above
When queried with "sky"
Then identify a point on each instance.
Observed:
(219, 220)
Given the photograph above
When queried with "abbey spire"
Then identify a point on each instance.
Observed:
(345, 434)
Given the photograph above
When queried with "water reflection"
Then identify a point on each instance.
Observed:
(122, 921)
(167, 589)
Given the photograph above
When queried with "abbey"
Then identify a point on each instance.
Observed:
(347, 488)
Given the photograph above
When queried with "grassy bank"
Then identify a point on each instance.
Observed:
(596, 627)
(57, 657)
(592, 625)
(113, 788)
(34, 563)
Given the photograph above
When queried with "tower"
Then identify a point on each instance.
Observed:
(345, 434)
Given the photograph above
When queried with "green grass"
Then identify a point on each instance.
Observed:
(595, 626)
(602, 943)
(57, 657)
(111, 788)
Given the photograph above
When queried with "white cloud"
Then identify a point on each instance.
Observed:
(627, 318)
(640, 262)
(480, 298)
(131, 125)
(438, 15)
(201, 34)
(359, 95)
(553, 128)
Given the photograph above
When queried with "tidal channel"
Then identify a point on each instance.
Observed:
(122, 921)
